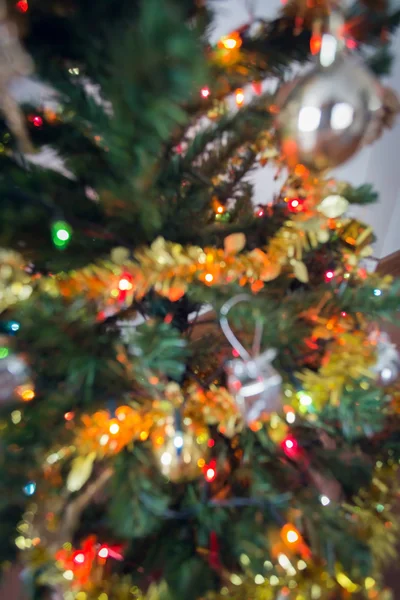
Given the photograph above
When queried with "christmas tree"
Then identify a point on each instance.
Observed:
(197, 398)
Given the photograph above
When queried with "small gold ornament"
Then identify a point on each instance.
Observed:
(179, 451)
(15, 282)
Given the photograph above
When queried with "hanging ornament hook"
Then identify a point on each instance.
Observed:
(231, 337)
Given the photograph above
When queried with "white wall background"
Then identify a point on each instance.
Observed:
(378, 164)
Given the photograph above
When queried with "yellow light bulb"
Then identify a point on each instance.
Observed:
(292, 536)
(229, 43)
(114, 428)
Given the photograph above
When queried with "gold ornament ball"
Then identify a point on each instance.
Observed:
(182, 454)
(327, 113)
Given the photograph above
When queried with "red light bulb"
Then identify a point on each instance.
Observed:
(315, 43)
(103, 552)
(210, 472)
(329, 275)
(37, 121)
(124, 286)
(22, 6)
(290, 446)
(296, 204)
(79, 558)
(351, 44)
(205, 92)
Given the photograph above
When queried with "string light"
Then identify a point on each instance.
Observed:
(295, 204)
(61, 234)
(178, 441)
(4, 352)
(37, 121)
(291, 536)
(235, 579)
(315, 43)
(229, 43)
(22, 6)
(377, 292)
(329, 275)
(13, 326)
(324, 500)
(30, 488)
(124, 284)
(205, 92)
(68, 575)
(351, 44)
(209, 278)
(103, 552)
(114, 428)
(304, 399)
(290, 446)
(210, 472)
(16, 417)
(290, 417)
(25, 393)
(79, 558)
(166, 459)
(239, 97)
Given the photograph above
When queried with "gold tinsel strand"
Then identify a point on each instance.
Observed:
(15, 282)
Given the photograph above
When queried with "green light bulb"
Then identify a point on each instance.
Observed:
(4, 352)
(61, 234)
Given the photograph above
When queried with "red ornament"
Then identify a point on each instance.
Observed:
(295, 205)
(22, 6)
